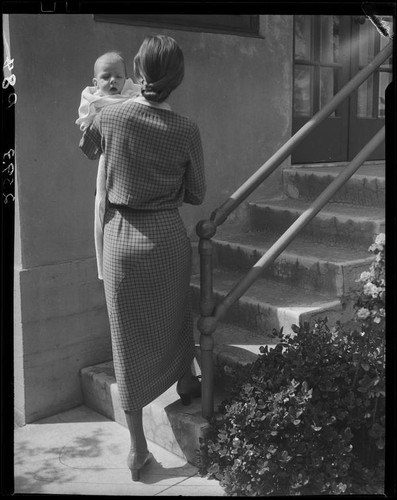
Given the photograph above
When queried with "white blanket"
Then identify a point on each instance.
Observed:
(92, 101)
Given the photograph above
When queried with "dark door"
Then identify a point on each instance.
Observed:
(328, 52)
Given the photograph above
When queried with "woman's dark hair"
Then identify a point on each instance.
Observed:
(159, 66)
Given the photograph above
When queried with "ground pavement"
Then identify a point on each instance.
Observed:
(81, 452)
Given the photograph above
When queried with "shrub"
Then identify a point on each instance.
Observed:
(309, 418)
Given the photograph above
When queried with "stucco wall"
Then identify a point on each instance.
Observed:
(237, 89)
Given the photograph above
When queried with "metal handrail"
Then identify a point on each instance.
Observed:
(253, 274)
(210, 313)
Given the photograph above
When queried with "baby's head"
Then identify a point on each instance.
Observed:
(110, 73)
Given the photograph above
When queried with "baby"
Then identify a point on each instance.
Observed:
(111, 86)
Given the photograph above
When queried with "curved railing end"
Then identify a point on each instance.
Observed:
(206, 229)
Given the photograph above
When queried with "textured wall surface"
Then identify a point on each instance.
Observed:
(237, 89)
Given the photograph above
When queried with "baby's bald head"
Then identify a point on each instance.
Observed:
(109, 57)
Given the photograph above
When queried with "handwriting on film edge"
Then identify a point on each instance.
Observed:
(12, 99)
(10, 80)
(10, 171)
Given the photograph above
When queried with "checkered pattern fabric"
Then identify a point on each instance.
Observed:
(154, 163)
(154, 158)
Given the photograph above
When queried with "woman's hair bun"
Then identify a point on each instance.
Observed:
(148, 91)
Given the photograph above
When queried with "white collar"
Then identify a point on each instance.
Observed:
(161, 105)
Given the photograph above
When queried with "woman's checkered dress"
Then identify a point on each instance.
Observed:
(154, 163)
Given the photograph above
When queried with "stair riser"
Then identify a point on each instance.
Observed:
(173, 429)
(333, 231)
(308, 274)
(224, 360)
(263, 318)
(223, 364)
(364, 191)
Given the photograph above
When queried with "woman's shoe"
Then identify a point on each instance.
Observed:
(136, 461)
(190, 390)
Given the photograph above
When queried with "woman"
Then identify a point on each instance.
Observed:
(154, 163)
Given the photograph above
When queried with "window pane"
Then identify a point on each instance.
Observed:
(329, 39)
(328, 85)
(365, 99)
(303, 37)
(303, 90)
(366, 43)
(384, 80)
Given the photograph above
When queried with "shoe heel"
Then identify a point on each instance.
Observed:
(135, 473)
(186, 399)
(132, 463)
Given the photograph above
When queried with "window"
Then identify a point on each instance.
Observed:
(317, 63)
(328, 51)
(234, 24)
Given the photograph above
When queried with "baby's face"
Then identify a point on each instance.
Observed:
(110, 77)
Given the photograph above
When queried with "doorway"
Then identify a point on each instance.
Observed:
(328, 52)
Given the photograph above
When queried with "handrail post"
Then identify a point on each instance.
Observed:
(206, 324)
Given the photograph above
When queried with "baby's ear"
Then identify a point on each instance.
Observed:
(94, 81)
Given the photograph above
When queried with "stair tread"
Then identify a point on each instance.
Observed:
(169, 399)
(167, 422)
(234, 234)
(343, 211)
(235, 336)
(373, 171)
(272, 293)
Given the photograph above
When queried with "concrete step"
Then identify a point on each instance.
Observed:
(366, 187)
(269, 305)
(318, 268)
(235, 348)
(167, 422)
(349, 226)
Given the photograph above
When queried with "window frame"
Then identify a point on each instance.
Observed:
(316, 63)
(240, 25)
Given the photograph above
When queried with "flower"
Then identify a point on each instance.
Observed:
(365, 276)
(371, 289)
(363, 313)
(380, 239)
(379, 244)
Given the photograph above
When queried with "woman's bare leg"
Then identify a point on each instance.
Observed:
(139, 454)
(135, 426)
